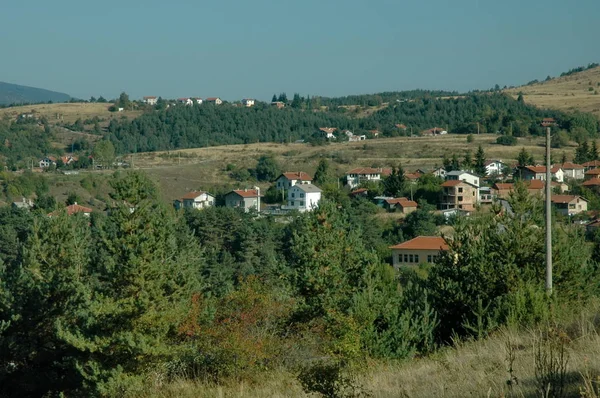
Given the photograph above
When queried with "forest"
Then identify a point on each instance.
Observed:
(103, 306)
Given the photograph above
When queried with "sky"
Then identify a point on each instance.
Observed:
(252, 49)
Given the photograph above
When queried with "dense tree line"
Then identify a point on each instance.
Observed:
(22, 141)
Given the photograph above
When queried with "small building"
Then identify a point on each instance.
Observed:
(291, 178)
(278, 104)
(197, 100)
(150, 100)
(186, 101)
(485, 195)
(73, 209)
(214, 100)
(433, 131)
(25, 204)
(573, 170)
(439, 172)
(592, 164)
(355, 176)
(402, 205)
(195, 200)
(569, 205)
(534, 187)
(248, 102)
(458, 194)
(400, 126)
(303, 197)
(422, 249)
(47, 162)
(593, 184)
(539, 173)
(244, 198)
(363, 193)
(461, 175)
(328, 131)
(375, 133)
(413, 178)
(357, 138)
(494, 168)
(591, 174)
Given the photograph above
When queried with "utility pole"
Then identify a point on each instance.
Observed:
(548, 217)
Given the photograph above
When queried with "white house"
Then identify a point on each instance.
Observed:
(47, 162)
(244, 198)
(248, 102)
(197, 100)
(215, 100)
(529, 173)
(303, 197)
(494, 167)
(195, 200)
(439, 172)
(186, 101)
(355, 176)
(461, 175)
(291, 178)
(150, 100)
(573, 170)
(328, 131)
(356, 138)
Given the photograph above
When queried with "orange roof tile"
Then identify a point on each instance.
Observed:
(592, 163)
(594, 182)
(571, 166)
(565, 198)
(592, 172)
(423, 243)
(297, 175)
(452, 183)
(246, 193)
(192, 195)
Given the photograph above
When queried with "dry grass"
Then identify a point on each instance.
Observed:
(568, 93)
(67, 112)
(478, 369)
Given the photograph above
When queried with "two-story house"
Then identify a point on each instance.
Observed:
(355, 176)
(303, 197)
(494, 167)
(150, 100)
(458, 194)
(186, 101)
(244, 198)
(328, 131)
(291, 178)
(47, 162)
(539, 173)
(195, 200)
(569, 205)
(461, 175)
(573, 170)
(422, 249)
(248, 102)
(214, 100)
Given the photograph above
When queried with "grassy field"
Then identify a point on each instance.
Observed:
(567, 93)
(67, 112)
(475, 369)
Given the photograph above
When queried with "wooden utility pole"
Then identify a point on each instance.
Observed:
(548, 217)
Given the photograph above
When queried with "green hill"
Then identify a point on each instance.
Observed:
(17, 94)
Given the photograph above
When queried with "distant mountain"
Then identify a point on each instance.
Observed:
(16, 94)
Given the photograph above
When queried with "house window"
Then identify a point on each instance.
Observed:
(399, 258)
(292, 203)
(301, 195)
(410, 258)
(293, 195)
(460, 190)
(301, 203)
(416, 258)
(406, 258)
(429, 260)
(460, 198)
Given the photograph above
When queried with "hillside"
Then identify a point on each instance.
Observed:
(575, 92)
(17, 94)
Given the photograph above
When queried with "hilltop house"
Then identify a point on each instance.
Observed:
(458, 194)
(419, 250)
(248, 102)
(573, 170)
(439, 172)
(185, 101)
(195, 200)
(278, 104)
(328, 131)
(303, 197)
(244, 198)
(539, 173)
(289, 179)
(461, 175)
(403, 205)
(151, 100)
(214, 100)
(569, 205)
(355, 176)
(494, 167)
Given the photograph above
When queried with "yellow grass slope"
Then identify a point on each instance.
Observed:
(577, 92)
(68, 112)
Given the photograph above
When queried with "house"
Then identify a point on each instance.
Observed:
(453, 213)
(248, 102)
(303, 197)
(185, 101)
(150, 100)
(539, 173)
(548, 122)
(291, 178)
(197, 100)
(355, 176)
(413, 178)
(569, 205)
(73, 209)
(356, 138)
(494, 167)
(433, 131)
(592, 227)
(573, 170)
(439, 172)
(244, 198)
(47, 162)
(457, 194)
(328, 131)
(195, 200)
(422, 249)
(25, 204)
(591, 174)
(593, 184)
(375, 133)
(363, 193)
(461, 175)
(278, 104)
(400, 126)
(404, 205)
(348, 133)
(485, 195)
(591, 164)
(68, 159)
(534, 187)
(214, 100)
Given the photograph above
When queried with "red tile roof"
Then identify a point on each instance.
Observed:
(565, 198)
(370, 170)
(246, 193)
(211, 99)
(592, 163)
(363, 190)
(423, 243)
(593, 172)
(413, 176)
(297, 175)
(72, 209)
(499, 186)
(571, 166)
(327, 130)
(400, 126)
(404, 202)
(452, 183)
(192, 195)
(594, 182)
(542, 169)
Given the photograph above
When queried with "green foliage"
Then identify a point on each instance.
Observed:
(395, 184)
(323, 174)
(104, 153)
(469, 138)
(479, 166)
(330, 380)
(559, 139)
(267, 169)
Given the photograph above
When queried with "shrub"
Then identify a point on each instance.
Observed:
(470, 138)
(330, 380)
(507, 140)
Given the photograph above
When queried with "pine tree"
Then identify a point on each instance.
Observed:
(563, 158)
(394, 184)
(523, 158)
(480, 161)
(468, 161)
(274, 99)
(582, 153)
(454, 163)
(593, 155)
(323, 174)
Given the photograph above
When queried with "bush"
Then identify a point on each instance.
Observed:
(331, 380)
(507, 140)
(470, 138)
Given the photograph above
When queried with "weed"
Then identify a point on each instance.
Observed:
(550, 362)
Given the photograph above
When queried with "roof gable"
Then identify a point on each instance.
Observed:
(423, 243)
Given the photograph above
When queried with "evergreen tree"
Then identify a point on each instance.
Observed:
(523, 158)
(468, 161)
(297, 101)
(480, 161)
(593, 155)
(563, 158)
(323, 173)
(454, 163)
(274, 99)
(394, 184)
(582, 153)
(267, 169)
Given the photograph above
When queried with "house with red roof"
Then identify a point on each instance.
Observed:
(457, 194)
(539, 173)
(573, 170)
(73, 209)
(422, 249)
(402, 205)
(290, 178)
(592, 164)
(548, 122)
(569, 205)
(358, 175)
(248, 102)
(214, 100)
(195, 200)
(150, 100)
(328, 131)
(245, 199)
(186, 101)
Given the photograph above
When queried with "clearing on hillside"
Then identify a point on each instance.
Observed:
(69, 112)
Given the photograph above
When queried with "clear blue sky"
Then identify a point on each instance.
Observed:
(236, 49)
